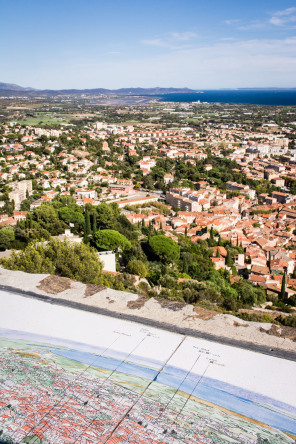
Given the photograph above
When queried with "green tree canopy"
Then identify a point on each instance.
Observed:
(164, 248)
(249, 294)
(73, 260)
(107, 215)
(137, 267)
(25, 205)
(32, 260)
(71, 215)
(6, 236)
(47, 217)
(110, 240)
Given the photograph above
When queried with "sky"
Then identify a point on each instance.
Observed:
(199, 44)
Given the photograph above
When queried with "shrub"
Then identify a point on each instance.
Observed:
(287, 321)
(137, 267)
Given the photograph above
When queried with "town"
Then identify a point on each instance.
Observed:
(191, 202)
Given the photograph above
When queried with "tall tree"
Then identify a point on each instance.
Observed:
(228, 259)
(283, 287)
(87, 228)
(94, 222)
(212, 233)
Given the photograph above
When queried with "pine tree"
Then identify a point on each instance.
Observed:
(217, 253)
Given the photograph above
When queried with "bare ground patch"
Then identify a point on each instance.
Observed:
(171, 305)
(281, 332)
(238, 324)
(202, 313)
(92, 289)
(54, 284)
(138, 303)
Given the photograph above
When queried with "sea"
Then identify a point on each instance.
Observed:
(272, 97)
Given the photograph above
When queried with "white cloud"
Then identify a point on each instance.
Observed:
(224, 64)
(257, 24)
(284, 17)
(232, 21)
(182, 36)
(171, 40)
(154, 42)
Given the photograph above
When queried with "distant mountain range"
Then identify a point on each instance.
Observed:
(12, 88)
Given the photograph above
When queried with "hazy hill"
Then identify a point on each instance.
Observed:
(9, 87)
(13, 87)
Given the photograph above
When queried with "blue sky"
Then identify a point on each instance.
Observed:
(200, 44)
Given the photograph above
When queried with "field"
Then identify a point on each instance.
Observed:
(45, 119)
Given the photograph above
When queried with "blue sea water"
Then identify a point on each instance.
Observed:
(285, 97)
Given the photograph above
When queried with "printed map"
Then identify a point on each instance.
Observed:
(68, 376)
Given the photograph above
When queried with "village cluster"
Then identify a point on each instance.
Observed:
(140, 163)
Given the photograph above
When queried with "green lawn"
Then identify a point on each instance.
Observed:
(46, 119)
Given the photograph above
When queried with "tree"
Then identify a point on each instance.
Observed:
(87, 229)
(73, 260)
(248, 294)
(31, 260)
(283, 287)
(47, 218)
(94, 223)
(107, 215)
(228, 259)
(6, 237)
(212, 233)
(76, 261)
(45, 215)
(137, 267)
(71, 215)
(164, 248)
(25, 205)
(110, 240)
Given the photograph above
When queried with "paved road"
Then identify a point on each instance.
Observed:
(276, 352)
